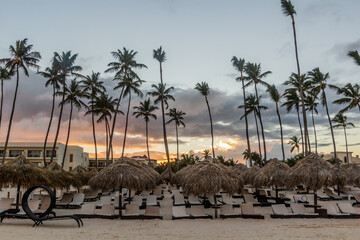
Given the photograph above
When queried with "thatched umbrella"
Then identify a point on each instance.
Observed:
(352, 172)
(63, 179)
(274, 173)
(208, 178)
(83, 175)
(314, 172)
(124, 173)
(167, 174)
(250, 174)
(153, 172)
(240, 168)
(20, 172)
(179, 177)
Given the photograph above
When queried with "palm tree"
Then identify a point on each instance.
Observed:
(206, 154)
(145, 110)
(252, 105)
(122, 67)
(92, 86)
(4, 75)
(351, 96)
(177, 117)
(289, 10)
(73, 96)
(294, 142)
(255, 77)
(54, 79)
(160, 56)
(162, 95)
(293, 102)
(130, 84)
(318, 81)
(239, 64)
(204, 90)
(355, 55)
(341, 121)
(104, 105)
(65, 63)
(275, 96)
(21, 58)
(311, 105)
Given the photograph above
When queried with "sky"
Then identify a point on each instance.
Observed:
(200, 37)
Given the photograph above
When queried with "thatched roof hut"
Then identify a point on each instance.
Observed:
(274, 173)
(250, 174)
(83, 175)
(179, 177)
(165, 175)
(352, 172)
(63, 179)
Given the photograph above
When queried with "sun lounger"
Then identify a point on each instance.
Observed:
(322, 196)
(332, 211)
(247, 211)
(218, 203)
(33, 204)
(5, 204)
(332, 195)
(65, 200)
(139, 201)
(178, 200)
(357, 199)
(91, 196)
(179, 212)
(131, 212)
(300, 209)
(300, 199)
(280, 211)
(158, 192)
(152, 201)
(152, 212)
(349, 209)
(199, 212)
(104, 200)
(77, 201)
(193, 200)
(106, 211)
(249, 198)
(227, 211)
(227, 199)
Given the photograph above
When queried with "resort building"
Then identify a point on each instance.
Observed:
(342, 156)
(34, 151)
(102, 161)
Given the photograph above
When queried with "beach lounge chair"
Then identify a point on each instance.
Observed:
(357, 199)
(280, 211)
(87, 210)
(158, 192)
(131, 212)
(227, 211)
(322, 196)
(107, 211)
(247, 211)
(332, 211)
(5, 204)
(179, 212)
(349, 209)
(104, 200)
(249, 198)
(152, 201)
(301, 199)
(139, 201)
(91, 196)
(227, 199)
(199, 212)
(152, 212)
(178, 200)
(65, 200)
(300, 209)
(77, 201)
(332, 195)
(211, 200)
(193, 200)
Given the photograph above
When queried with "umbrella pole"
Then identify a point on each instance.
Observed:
(215, 201)
(120, 202)
(17, 197)
(277, 192)
(129, 196)
(315, 198)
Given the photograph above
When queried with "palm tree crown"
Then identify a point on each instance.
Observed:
(145, 110)
(287, 8)
(351, 97)
(159, 54)
(160, 93)
(92, 85)
(203, 88)
(176, 116)
(355, 55)
(341, 121)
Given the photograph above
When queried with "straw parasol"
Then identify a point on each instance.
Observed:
(272, 174)
(83, 175)
(352, 172)
(165, 175)
(179, 177)
(314, 172)
(125, 173)
(250, 174)
(63, 179)
(20, 172)
(240, 168)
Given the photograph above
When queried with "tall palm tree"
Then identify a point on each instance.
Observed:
(65, 63)
(204, 90)
(275, 96)
(341, 121)
(355, 56)
(92, 86)
(145, 110)
(289, 10)
(4, 75)
(160, 55)
(21, 58)
(123, 67)
(351, 97)
(255, 77)
(73, 96)
(311, 105)
(129, 84)
(104, 107)
(239, 65)
(318, 81)
(293, 102)
(55, 80)
(176, 116)
(294, 142)
(206, 154)
(252, 105)
(162, 96)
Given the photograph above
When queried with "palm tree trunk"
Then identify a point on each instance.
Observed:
(309, 143)
(165, 137)
(211, 127)
(147, 141)
(346, 144)
(246, 121)
(258, 135)
(161, 77)
(281, 131)
(126, 125)
(301, 87)
(107, 139)
(2, 100)
(177, 147)
(58, 125)
(301, 132)
(93, 126)
(313, 122)
(12, 114)
(331, 127)
(68, 134)
(50, 121)
(261, 124)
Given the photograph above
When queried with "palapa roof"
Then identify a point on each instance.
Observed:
(208, 178)
(125, 173)
(352, 172)
(250, 174)
(315, 173)
(165, 174)
(62, 178)
(274, 173)
(21, 171)
(82, 174)
(179, 177)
